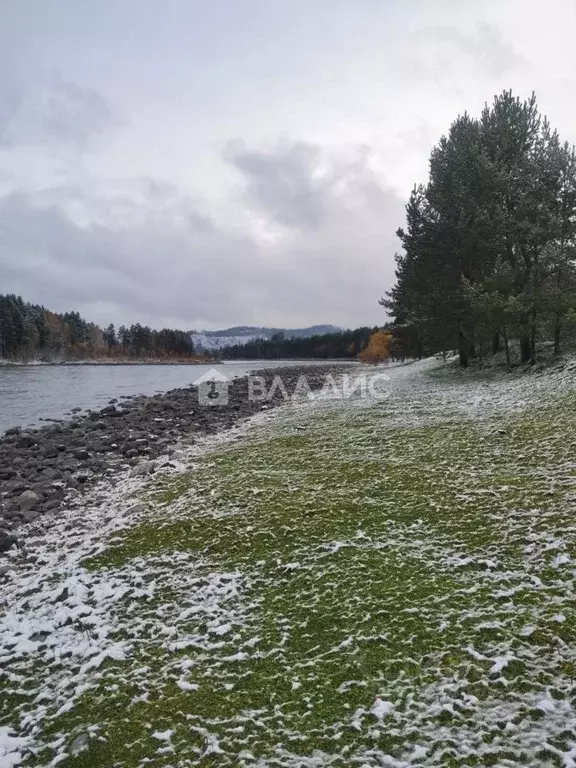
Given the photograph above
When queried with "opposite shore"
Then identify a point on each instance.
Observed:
(111, 361)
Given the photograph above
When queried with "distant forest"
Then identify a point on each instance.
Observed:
(342, 344)
(31, 332)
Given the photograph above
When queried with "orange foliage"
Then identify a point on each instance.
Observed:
(377, 349)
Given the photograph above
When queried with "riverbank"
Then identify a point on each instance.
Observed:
(111, 361)
(42, 469)
(339, 582)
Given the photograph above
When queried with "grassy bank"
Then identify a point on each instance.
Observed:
(352, 583)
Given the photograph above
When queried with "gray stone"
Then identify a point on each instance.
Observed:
(13, 431)
(110, 410)
(26, 441)
(144, 468)
(28, 500)
(6, 541)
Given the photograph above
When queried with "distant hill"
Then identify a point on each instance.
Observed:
(242, 334)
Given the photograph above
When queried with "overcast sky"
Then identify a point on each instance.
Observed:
(202, 164)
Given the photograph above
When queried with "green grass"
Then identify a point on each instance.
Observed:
(371, 559)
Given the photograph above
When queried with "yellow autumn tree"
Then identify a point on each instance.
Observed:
(378, 348)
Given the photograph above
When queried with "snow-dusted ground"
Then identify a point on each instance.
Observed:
(336, 583)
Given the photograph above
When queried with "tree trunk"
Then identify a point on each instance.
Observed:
(557, 333)
(525, 347)
(462, 349)
(506, 347)
(495, 342)
(533, 337)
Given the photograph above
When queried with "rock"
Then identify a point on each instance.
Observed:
(110, 410)
(144, 468)
(26, 441)
(13, 431)
(81, 454)
(7, 474)
(7, 541)
(28, 500)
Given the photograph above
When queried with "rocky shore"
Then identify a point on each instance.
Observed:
(42, 470)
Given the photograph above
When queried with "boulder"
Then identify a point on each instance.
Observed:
(26, 441)
(144, 468)
(110, 410)
(28, 500)
(6, 541)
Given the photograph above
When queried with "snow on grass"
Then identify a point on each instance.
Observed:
(348, 583)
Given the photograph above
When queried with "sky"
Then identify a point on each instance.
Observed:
(200, 164)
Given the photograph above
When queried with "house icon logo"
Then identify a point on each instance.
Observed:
(212, 388)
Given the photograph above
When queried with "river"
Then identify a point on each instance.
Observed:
(30, 393)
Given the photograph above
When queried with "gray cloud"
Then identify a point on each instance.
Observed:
(285, 183)
(146, 218)
(483, 48)
(49, 111)
(179, 265)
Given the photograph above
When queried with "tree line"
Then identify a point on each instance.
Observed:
(29, 331)
(368, 344)
(341, 344)
(488, 260)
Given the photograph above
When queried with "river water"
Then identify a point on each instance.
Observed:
(30, 393)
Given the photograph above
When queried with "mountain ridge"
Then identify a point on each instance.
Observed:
(241, 334)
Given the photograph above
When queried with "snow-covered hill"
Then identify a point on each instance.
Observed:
(242, 334)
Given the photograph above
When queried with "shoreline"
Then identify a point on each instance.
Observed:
(44, 469)
(103, 362)
(208, 361)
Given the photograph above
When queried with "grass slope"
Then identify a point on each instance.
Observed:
(386, 583)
